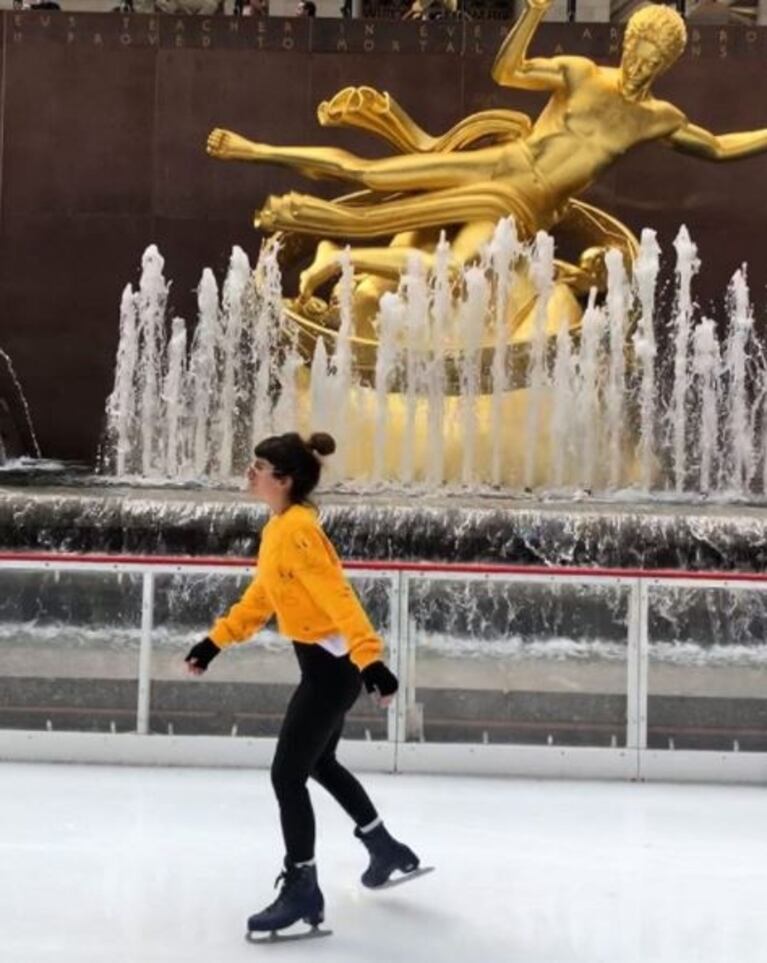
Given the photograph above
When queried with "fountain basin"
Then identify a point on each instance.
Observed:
(391, 525)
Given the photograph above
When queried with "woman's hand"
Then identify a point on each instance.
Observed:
(380, 682)
(200, 656)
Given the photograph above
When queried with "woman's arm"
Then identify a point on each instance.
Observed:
(322, 576)
(244, 618)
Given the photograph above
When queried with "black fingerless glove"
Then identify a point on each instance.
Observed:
(378, 678)
(202, 654)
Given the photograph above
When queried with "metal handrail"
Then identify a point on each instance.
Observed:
(403, 714)
(154, 562)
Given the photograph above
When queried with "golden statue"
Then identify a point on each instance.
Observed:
(595, 114)
(489, 166)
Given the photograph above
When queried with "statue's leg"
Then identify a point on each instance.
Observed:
(325, 265)
(470, 241)
(391, 262)
(406, 172)
(388, 262)
(314, 162)
(427, 172)
(485, 201)
(226, 145)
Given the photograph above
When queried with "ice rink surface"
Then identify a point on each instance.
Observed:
(118, 865)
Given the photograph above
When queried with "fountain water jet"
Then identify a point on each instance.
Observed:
(447, 401)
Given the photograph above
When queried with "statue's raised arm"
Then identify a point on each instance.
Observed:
(513, 68)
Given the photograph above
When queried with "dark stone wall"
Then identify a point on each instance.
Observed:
(104, 120)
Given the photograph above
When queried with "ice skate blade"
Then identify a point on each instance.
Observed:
(406, 877)
(258, 936)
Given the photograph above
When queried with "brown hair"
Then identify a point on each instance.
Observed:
(293, 457)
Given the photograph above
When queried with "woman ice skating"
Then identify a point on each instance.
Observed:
(299, 578)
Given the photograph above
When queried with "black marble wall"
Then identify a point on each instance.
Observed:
(103, 120)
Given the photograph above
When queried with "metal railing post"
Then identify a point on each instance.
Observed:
(145, 654)
(394, 652)
(632, 667)
(638, 651)
(406, 682)
(644, 660)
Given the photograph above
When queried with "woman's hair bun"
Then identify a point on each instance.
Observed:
(322, 443)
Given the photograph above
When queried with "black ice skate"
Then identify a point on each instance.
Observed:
(300, 899)
(388, 856)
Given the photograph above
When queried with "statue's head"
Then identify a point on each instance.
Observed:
(655, 37)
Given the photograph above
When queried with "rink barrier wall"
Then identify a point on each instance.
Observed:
(635, 761)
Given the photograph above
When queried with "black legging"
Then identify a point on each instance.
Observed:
(307, 747)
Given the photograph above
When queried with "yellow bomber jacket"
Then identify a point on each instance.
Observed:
(299, 579)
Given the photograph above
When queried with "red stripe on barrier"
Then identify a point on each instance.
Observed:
(63, 558)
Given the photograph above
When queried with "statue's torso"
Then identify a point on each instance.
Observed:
(584, 128)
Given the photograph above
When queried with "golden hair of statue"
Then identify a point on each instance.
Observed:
(490, 165)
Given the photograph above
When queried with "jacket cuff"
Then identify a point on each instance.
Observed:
(366, 654)
(220, 636)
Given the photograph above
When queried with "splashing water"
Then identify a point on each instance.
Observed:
(152, 299)
(706, 372)
(25, 408)
(646, 271)
(174, 393)
(687, 265)
(452, 397)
